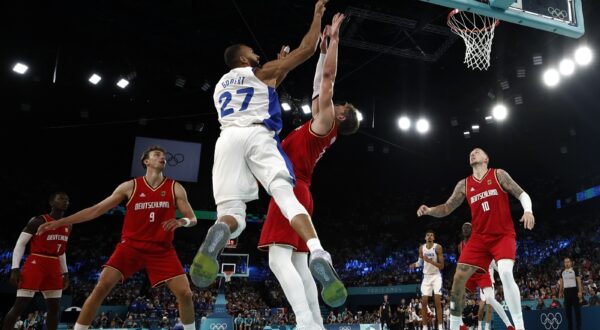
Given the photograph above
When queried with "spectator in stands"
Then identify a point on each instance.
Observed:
(594, 299)
(555, 303)
(402, 313)
(19, 323)
(540, 305)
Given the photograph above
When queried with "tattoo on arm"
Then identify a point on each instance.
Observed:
(507, 183)
(458, 196)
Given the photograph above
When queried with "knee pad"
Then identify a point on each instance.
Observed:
(235, 209)
(283, 193)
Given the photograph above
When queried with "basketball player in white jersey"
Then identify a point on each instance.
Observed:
(249, 149)
(431, 258)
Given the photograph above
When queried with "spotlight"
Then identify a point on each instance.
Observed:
(286, 106)
(404, 123)
(123, 83)
(467, 134)
(422, 126)
(306, 109)
(359, 116)
(475, 128)
(499, 112)
(489, 119)
(583, 55)
(566, 67)
(95, 79)
(20, 68)
(551, 77)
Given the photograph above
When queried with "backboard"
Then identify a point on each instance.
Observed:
(564, 17)
(238, 262)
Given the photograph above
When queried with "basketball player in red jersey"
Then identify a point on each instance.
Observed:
(147, 237)
(304, 147)
(485, 284)
(45, 269)
(493, 236)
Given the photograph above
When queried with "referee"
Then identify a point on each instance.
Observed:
(572, 290)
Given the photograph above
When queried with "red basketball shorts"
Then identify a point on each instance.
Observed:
(482, 248)
(277, 229)
(479, 280)
(41, 273)
(161, 262)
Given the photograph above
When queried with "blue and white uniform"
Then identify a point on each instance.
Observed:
(248, 148)
(432, 277)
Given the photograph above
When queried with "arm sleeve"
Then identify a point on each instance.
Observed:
(63, 263)
(318, 76)
(526, 202)
(19, 250)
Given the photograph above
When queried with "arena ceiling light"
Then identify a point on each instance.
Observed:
(20, 68)
(95, 79)
(583, 55)
(404, 123)
(467, 134)
(566, 67)
(359, 116)
(286, 106)
(306, 109)
(500, 112)
(123, 83)
(422, 126)
(551, 77)
(475, 128)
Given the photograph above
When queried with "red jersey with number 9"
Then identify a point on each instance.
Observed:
(147, 209)
(52, 242)
(490, 209)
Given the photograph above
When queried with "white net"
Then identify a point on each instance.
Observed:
(478, 32)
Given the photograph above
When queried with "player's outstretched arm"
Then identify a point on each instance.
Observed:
(278, 68)
(442, 210)
(507, 183)
(325, 119)
(319, 71)
(120, 194)
(183, 205)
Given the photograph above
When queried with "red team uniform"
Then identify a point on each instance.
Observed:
(493, 234)
(144, 242)
(477, 280)
(304, 149)
(41, 271)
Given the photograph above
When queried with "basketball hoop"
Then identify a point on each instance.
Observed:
(227, 275)
(478, 32)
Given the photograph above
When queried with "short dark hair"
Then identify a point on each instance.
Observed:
(232, 56)
(429, 231)
(54, 194)
(351, 124)
(147, 152)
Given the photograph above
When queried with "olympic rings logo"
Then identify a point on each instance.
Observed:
(174, 159)
(218, 326)
(558, 13)
(551, 320)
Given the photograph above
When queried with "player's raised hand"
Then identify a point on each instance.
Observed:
(335, 26)
(173, 224)
(15, 277)
(324, 36)
(285, 50)
(423, 210)
(528, 220)
(320, 8)
(48, 226)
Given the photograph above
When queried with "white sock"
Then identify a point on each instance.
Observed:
(191, 326)
(300, 261)
(455, 322)
(314, 244)
(425, 327)
(280, 262)
(441, 326)
(78, 326)
(511, 292)
(491, 299)
(480, 325)
(488, 326)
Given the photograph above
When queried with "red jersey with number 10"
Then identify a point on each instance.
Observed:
(304, 148)
(490, 209)
(147, 209)
(52, 242)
